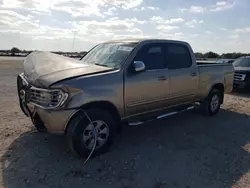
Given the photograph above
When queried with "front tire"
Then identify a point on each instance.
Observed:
(211, 105)
(81, 137)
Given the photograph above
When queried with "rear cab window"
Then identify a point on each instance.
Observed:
(177, 56)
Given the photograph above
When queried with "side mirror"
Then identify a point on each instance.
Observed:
(139, 66)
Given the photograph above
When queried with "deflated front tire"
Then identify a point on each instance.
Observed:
(80, 135)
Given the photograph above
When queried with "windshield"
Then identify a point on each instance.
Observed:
(242, 62)
(109, 54)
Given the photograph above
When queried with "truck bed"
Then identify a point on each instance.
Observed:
(211, 73)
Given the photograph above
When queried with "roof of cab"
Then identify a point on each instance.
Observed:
(138, 40)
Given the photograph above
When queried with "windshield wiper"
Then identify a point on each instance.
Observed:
(103, 65)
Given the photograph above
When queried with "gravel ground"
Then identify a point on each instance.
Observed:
(182, 151)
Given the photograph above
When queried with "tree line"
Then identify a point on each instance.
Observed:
(222, 56)
(15, 51)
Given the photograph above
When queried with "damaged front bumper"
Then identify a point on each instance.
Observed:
(53, 121)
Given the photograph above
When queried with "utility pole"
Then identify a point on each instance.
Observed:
(73, 44)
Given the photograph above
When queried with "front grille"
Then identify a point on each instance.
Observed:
(239, 76)
(44, 98)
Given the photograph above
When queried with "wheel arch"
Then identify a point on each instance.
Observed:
(221, 88)
(104, 105)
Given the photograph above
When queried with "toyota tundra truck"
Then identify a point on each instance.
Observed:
(116, 83)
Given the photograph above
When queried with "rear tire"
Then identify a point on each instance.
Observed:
(80, 138)
(211, 105)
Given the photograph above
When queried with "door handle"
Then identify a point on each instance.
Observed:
(161, 78)
(193, 74)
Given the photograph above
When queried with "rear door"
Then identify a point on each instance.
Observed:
(183, 73)
(147, 91)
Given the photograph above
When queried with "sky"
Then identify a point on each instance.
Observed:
(78, 25)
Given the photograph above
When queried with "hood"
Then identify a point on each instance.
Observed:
(242, 69)
(42, 69)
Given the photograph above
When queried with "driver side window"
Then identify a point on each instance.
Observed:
(152, 56)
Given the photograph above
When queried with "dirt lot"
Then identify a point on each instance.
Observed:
(183, 151)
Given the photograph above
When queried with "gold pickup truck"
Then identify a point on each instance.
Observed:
(117, 82)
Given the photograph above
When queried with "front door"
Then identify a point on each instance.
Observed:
(147, 91)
